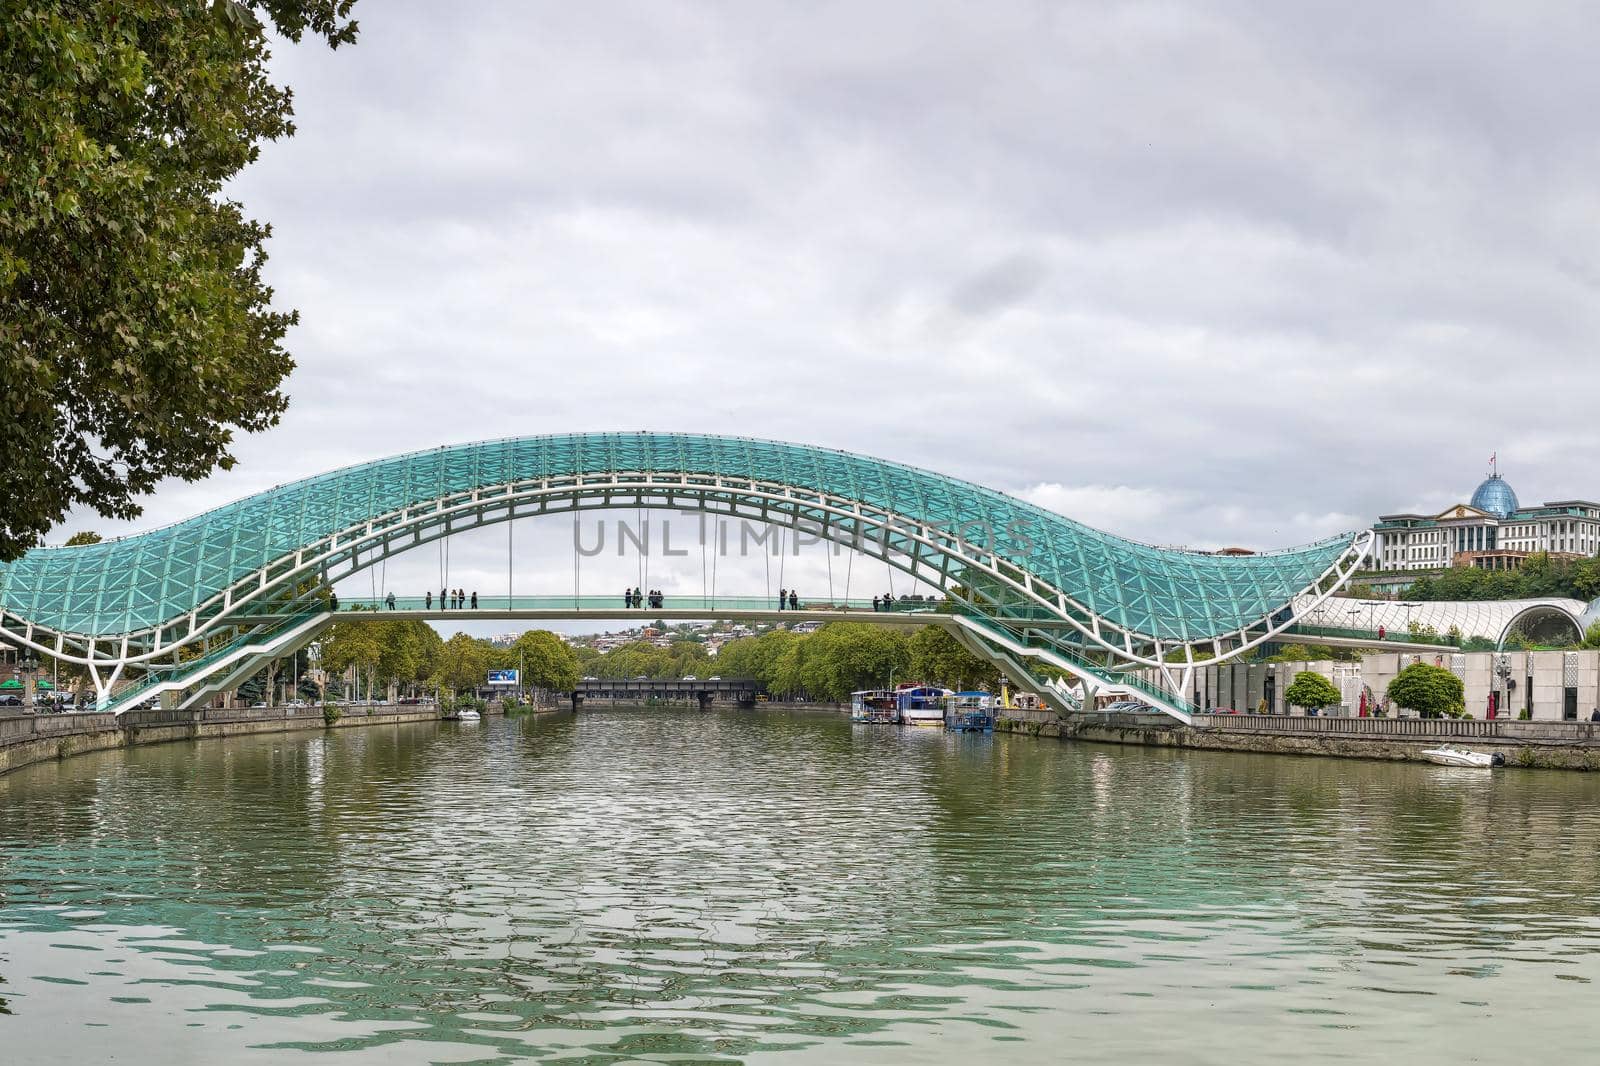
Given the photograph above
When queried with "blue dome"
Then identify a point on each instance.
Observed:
(1495, 497)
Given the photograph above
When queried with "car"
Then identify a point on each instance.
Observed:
(714, 677)
(1127, 707)
(1222, 710)
(10, 701)
(690, 677)
(258, 705)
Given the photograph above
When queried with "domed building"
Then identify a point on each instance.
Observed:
(1492, 532)
(1495, 496)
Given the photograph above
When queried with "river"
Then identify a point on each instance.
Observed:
(646, 885)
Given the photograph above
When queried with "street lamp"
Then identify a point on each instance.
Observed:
(1502, 670)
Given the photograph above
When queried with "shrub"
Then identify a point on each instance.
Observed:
(1311, 690)
(330, 714)
(1431, 691)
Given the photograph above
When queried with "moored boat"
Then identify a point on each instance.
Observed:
(1446, 756)
(922, 705)
(970, 712)
(873, 707)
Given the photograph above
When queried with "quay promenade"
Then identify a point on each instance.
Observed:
(30, 738)
(1545, 745)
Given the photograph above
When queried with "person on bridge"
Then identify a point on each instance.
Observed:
(474, 599)
(443, 600)
(461, 597)
(427, 600)
(876, 603)
(638, 597)
(781, 594)
(333, 601)
(627, 597)
(388, 601)
(888, 601)
(794, 600)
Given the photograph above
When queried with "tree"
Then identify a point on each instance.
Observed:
(136, 332)
(1591, 636)
(350, 644)
(546, 661)
(1309, 690)
(937, 657)
(463, 662)
(1431, 691)
(88, 536)
(842, 657)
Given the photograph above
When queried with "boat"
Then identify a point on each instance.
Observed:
(970, 712)
(468, 715)
(1463, 757)
(873, 706)
(922, 705)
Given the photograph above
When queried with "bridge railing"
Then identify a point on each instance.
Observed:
(615, 605)
(1392, 727)
(1401, 636)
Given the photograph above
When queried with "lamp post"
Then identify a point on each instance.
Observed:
(1502, 670)
(28, 666)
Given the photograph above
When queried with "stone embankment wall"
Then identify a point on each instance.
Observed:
(27, 739)
(1547, 745)
(1548, 685)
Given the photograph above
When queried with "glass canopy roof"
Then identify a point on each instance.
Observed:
(138, 582)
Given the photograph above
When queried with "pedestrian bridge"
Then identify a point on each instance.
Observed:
(198, 605)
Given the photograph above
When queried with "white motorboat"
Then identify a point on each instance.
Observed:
(468, 715)
(1463, 757)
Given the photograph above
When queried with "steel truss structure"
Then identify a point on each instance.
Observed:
(196, 605)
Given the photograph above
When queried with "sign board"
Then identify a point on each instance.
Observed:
(502, 677)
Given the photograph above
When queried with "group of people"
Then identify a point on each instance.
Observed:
(634, 598)
(884, 602)
(449, 600)
(789, 598)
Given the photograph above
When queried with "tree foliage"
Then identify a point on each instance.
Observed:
(384, 651)
(545, 661)
(136, 332)
(86, 537)
(463, 663)
(939, 658)
(1310, 690)
(1431, 691)
(1539, 575)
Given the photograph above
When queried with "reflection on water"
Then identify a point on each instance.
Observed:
(754, 886)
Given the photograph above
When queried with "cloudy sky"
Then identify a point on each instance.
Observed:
(1205, 273)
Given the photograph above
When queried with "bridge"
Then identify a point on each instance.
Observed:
(196, 607)
(742, 690)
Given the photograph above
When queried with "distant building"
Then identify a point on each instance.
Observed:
(1492, 532)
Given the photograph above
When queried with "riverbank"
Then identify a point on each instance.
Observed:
(34, 738)
(1536, 745)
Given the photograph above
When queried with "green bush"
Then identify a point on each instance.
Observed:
(1523, 715)
(1311, 690)
(330, 714)
(1431, 691)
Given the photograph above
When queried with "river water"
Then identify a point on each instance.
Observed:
(638, 885)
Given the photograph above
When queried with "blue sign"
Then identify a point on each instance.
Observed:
(502, 677)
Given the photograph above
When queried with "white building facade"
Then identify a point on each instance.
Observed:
(1492, 532)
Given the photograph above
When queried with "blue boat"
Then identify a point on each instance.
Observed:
(970, 712)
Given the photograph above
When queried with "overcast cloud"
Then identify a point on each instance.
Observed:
(1227, 273)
